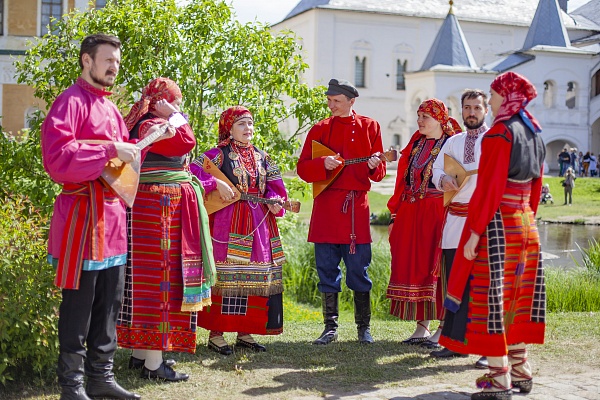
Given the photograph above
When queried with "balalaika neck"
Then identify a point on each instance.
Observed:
(256, 199)
(356, 160)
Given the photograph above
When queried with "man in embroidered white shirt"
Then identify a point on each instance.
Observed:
(465, 148)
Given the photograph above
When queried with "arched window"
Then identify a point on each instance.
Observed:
(549, 94)
(596, 84)
(400, 70)
(359, 71)
(571, 97)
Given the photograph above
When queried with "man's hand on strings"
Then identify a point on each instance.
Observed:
(127, 152)
(332, 162)
(449, 183)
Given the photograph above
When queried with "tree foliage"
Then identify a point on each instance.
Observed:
(216, 61)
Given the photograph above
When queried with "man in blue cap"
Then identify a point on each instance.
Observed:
(339, 225)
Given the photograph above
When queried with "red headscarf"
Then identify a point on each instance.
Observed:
(517, 92)
(438, 110)
(157, 89)
(228, 118)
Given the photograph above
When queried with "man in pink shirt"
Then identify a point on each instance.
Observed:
(88, 240)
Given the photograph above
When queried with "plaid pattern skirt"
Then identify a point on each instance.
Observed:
(151, 316)
(260, 315)
(505, 299)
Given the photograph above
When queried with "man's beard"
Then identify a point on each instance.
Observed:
(107, 80)
(476, 125)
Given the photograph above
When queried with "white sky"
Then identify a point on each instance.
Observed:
(272, 11)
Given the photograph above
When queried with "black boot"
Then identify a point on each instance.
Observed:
(101, 380)
(330, 316)
(70, 376)
(362, 316)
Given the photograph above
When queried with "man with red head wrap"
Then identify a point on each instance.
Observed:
(417, 211)
(496, 287)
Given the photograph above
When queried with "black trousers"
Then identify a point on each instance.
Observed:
(455, 323)
(88, 316)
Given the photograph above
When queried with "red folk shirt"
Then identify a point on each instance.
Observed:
(332, 217)
(492, 177)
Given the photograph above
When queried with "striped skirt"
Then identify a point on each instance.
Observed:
(504, 302)
(151, 316)
(415, 289)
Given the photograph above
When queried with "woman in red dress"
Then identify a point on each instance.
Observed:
(496, 291)
(417, 211)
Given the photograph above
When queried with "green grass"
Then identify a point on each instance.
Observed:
(293, 368)
(586, 200)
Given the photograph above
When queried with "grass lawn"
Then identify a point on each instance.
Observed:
(294, 368)
(586, 200)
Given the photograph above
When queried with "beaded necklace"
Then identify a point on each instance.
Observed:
(246, 157)
(421, 165)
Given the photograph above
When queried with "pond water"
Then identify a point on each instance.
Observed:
(559, 241)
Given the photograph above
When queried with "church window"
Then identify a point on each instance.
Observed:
(1, 17)
(549, 94)
(596, 84)
(571, 97)
(50, 9)
(396, 141)
(359, 71)
(400, 79)
(100, 3)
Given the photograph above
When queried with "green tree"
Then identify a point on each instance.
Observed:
(216, 61)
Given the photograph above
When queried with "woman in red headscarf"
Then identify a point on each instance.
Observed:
(417, 211)
(496, 293)
(247, 298)
(170, 267)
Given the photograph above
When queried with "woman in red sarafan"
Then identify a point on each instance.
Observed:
(170, 268)
(417, 211)
(496, 291)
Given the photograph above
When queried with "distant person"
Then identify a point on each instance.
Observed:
(496, 290)
(593, 165)
(585, 164)
(546, 196)
(568, 185)
(564, 160)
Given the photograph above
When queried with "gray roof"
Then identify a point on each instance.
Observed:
(449, 47)
(590, 10)
(508, 62)
(547, 27)
(512, 12)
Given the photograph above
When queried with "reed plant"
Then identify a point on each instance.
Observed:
(573, 290)
(576, 290)
(301, 278)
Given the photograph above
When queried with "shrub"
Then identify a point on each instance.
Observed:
(28, 299)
